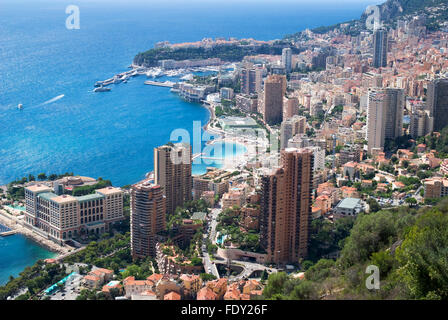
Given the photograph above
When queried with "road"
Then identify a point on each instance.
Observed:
(209, 266)
(249, 268)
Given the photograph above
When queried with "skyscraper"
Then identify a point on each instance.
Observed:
(384, 116)
(148, 207)
(286, 207)
(172, 171)
(287, 59)
(380, 48)
(291, 127)
(273, 99)
(437, 103)
(420, 122)
(251, 77)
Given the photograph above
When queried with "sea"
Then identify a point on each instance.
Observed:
(51, 70)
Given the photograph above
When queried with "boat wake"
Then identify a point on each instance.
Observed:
(53, 100)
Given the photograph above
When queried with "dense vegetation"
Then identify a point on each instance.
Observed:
(437, 142)
(88, 189)
(229, 223)
(407, 245)
(35, 278)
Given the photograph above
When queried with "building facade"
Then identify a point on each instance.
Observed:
(172, 172)
(64, 217)
(286, 207)
(437, 103)
(384, 116)
(380, 48)
(273, 99)
(148, 211)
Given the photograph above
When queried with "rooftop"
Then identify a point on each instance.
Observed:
(199, 216)
(90, 197)
(349, 203)
(38, 188)
(109, 190)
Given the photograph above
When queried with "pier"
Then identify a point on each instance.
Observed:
(8, 233)
(167, 84)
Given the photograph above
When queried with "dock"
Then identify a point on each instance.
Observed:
(167, 84)
(8, 233)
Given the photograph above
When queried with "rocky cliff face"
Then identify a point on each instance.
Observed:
(389, 10)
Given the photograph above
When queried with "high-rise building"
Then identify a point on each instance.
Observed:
(287, 59)
(420, 122)
(291, 107)
(172, 171)
(291, 127)
(380, 48)
(286, 207)
(437, 103)
(251, 79)
(384, 116)
(148, 208)
(273, 99)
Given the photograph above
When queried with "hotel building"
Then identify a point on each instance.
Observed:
(63, 217)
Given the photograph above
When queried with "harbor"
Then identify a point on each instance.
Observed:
(184, 74)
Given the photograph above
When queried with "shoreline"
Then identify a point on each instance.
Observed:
(51, 246)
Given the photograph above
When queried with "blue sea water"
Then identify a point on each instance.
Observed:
(17, 252)
(65, 127)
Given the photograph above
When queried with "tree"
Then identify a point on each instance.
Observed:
(305, 290)
(276, 282)
(423, 256)
(207, 277)
(264, 275)
(411, 201)
(320, 271)
(42, 176)
(373, 205)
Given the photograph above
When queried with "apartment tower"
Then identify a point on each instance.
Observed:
(287, 59)
(251, 79)
(380, 48)
(437, 103)
(274, 90)
(384, 116)
(286, 207)
(148, 207)
(172, 171)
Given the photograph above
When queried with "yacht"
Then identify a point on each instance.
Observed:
(20, 106)
(101, 89)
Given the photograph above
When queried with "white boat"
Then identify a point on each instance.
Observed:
(101, 89)
(20, 106)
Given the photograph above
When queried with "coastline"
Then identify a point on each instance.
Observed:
(13, 224)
